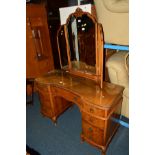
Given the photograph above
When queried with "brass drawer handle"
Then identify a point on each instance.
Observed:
(91, 110)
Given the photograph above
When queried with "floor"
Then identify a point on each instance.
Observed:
(64, 139)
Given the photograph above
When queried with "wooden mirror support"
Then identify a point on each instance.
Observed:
(80, 46)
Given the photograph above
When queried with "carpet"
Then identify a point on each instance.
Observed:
(64, 139)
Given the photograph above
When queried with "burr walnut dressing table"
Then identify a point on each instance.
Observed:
(81, 81)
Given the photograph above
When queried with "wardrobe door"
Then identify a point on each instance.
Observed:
(39, 59)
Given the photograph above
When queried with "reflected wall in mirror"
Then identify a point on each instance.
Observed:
(82, 48)
(62, 48)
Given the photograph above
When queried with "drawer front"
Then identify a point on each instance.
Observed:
(93, 120)
(92, 133)
(67, 95)
(93, 110)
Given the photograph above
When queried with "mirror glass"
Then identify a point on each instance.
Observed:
(81, 38)
(62, 48)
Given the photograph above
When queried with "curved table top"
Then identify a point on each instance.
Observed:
(86, 89)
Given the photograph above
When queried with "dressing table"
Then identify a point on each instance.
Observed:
(81, 81)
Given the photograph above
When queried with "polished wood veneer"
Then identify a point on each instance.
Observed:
(39, 57)
(99, 108)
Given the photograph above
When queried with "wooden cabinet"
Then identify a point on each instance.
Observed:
(92, 134)
(100, 108)
(39, 59)
(98, 129)
(51, 106)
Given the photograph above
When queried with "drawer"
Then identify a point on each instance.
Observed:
(93, 120)
(94, 110)
(67, 95)
(42, 88)
(92, 133)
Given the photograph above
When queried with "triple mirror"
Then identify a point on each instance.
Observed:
(80, 46)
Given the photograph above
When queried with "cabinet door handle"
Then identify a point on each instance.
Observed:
(37, 42)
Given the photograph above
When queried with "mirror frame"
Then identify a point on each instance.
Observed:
(99, 77)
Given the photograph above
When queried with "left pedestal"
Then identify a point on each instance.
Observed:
(51, 106)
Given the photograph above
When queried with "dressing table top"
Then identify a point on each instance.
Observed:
(87, 90)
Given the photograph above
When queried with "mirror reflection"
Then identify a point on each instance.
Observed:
(62, 48)
(81, 37)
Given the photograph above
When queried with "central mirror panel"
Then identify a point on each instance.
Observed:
(62, 48)
(81, 38)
